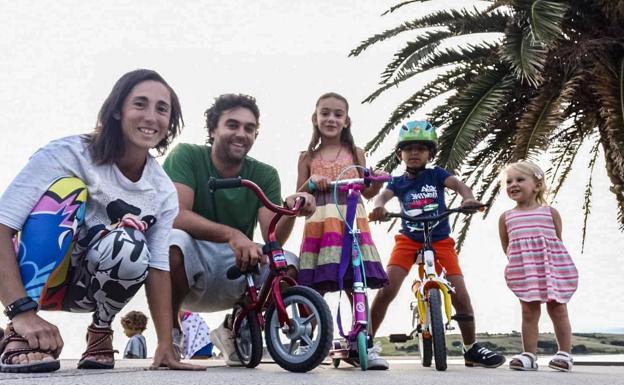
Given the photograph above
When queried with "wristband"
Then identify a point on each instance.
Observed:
(22, 305)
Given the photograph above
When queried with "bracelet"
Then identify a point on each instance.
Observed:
(19, 306)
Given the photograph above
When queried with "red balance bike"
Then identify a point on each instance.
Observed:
(296, 320)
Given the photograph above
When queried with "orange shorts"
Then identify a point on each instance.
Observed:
(405, 250)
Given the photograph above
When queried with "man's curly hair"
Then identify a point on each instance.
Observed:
(227, 102)
(134, 320)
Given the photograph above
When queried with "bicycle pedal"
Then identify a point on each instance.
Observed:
(399, 338)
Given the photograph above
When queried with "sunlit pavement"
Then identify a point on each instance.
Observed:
(403, 370)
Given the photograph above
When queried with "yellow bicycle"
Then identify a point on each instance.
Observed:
(432, 291)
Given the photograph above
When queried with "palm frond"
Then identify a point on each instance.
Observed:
(472, 109)
(545, 20)
(445, 18)
(563, 159)
(588, 191)
(543, 116)
(402, 4)
(471, 54)
(422, 46)
(609, 88)
(449, 80)
(526, 57)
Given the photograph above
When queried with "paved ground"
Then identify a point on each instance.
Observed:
(403, 371)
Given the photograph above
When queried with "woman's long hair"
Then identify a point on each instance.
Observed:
(106, 142)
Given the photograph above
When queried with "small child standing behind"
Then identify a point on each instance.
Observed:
(540, 268)
(134, 323)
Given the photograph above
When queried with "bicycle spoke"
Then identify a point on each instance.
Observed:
(308, 319)
(307, 339)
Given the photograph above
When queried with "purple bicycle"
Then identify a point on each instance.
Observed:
(357, 341)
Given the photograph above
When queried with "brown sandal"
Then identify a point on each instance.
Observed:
(99, 342)
(39, 366)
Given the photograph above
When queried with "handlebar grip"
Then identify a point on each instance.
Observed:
(311, 186)
(216, 184)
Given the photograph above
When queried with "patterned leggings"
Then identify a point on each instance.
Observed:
(59, 273)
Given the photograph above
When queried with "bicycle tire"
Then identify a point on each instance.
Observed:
(425, 347)
(316, 329)
(248, 339)
(437, 329)
(362, 345)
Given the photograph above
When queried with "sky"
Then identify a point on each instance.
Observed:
(61, 59)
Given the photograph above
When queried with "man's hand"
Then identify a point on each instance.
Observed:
(40, 333)
(164, 357)
(320, 182)
(378, 214)
(309, 206)
(247, 252)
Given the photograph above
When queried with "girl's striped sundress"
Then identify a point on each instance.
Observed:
(321, 247)
(539, 268)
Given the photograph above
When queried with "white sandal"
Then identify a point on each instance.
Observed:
(524, 361)
(561, 361)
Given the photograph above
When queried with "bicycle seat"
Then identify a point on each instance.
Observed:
(234, 272)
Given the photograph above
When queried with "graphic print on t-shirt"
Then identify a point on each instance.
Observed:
(420, 202)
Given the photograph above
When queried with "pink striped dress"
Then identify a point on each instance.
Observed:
(539, 268)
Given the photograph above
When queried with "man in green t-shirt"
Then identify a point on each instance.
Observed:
(214, 230)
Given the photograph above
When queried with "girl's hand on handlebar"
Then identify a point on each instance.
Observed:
(309, 206)
(321, 182)
(378, 214)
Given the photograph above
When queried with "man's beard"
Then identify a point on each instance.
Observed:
(228, 157)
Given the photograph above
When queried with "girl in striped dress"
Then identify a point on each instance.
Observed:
(330, 151)
(540, 269)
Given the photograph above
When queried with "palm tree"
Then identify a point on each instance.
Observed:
(537, 76)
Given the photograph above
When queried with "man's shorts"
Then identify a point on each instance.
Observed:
(405, 251)
(206, 264)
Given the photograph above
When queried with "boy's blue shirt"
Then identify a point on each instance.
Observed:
(425, 193)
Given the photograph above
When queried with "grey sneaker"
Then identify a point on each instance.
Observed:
(178, 342)
(223, 340)
(375, 362)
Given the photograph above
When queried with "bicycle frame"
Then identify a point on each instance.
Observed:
(427, 318)
(351, 252)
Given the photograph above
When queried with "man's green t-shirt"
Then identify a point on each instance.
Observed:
(190, 164)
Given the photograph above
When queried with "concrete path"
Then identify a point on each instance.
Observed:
(402, 371)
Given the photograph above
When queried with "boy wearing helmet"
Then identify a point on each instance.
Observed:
(421, 189)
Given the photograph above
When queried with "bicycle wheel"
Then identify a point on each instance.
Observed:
(336, 361)
(304, 345)
(437, 329)
(362, 349)
(248, 339)
(426, 349)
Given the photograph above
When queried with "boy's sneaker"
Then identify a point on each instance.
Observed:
(223, 340)
(375, 362)
(481, 356)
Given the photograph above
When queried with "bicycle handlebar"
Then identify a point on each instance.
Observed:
(365, 181)
(435, 218)
(216, 184)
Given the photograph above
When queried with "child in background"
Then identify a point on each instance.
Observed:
(197, 344)
(134, 323)
(330, 151)
(421, 189)
(540, 269)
